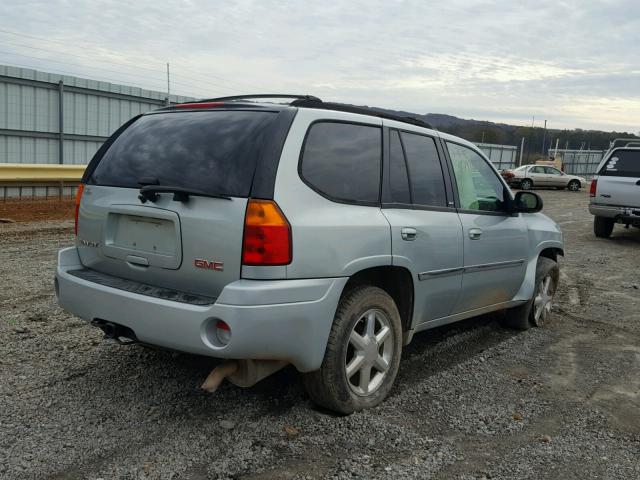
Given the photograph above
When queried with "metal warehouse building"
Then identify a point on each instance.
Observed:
(50, 118)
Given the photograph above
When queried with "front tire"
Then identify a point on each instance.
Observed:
(574, 185)
(537, 311)
(363, 353)
(526, 184)
(602, 226)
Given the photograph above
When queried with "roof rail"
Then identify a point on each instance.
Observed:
(630, 142)
(257, 95)
(341, 107)
(309, 101)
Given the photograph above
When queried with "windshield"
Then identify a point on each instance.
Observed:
(212, 151)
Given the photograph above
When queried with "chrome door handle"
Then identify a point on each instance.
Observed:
(408, 234)
(475, 234)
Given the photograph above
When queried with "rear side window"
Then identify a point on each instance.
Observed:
(342, 161)
(623, 163)
(212, 151)
(425, 171)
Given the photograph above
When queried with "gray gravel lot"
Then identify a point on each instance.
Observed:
(472, 400)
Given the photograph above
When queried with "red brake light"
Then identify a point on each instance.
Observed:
(78, 199)
(594, 186)
(267, 235)
(199, 105)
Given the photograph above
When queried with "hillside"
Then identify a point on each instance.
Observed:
(501, 133)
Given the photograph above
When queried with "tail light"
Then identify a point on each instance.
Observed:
(78, 199)
(594, 186)
(508, 174)
(267, 235)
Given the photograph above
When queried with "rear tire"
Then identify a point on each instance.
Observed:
(537, 311)
(526, 184)
(574, 185)
(603, 226)
(363, 353)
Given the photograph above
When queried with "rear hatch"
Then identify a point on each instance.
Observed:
(189, 237)
(619, 179)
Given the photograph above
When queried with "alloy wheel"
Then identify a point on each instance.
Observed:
(369, 353)
(543, 302)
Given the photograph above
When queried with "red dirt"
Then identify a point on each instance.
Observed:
(37, 210)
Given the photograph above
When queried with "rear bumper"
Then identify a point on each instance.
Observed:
(269, 319)
(621, 214)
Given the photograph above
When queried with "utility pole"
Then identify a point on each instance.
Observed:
(483, 136)
(168, 85)
(544, 138)
(521, 150)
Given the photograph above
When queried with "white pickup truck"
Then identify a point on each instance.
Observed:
(615, 191)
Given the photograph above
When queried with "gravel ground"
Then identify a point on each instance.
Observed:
(471, 401)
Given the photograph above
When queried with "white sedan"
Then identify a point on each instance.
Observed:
(528, 176)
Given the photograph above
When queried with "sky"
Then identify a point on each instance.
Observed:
(574, 63)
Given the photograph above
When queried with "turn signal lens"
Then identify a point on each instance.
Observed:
(267, 235)
(594, 186)
(78, 199)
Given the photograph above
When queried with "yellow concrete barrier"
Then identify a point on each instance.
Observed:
(28, 173)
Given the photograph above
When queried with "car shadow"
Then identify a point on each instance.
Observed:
(155, 376)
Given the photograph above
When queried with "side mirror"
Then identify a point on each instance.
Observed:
(527, 202)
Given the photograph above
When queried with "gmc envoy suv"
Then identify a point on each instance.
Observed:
(300, 232)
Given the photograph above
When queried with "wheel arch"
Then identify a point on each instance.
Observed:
(549, 249)
(396, 281)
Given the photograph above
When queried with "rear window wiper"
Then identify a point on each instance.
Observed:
(180, 194)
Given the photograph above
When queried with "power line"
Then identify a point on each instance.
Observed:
(103, 79)
(75, 64)
(194, 82)
(121, 63)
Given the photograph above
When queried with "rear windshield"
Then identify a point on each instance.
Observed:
(623, 163)
(212, 151)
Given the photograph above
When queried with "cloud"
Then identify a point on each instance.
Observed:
(572, 62)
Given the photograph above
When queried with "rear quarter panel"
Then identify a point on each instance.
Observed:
(330, 239)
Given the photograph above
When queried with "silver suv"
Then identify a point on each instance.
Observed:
(615, 191)
(306, 233)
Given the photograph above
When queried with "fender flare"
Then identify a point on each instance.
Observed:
(528, 284)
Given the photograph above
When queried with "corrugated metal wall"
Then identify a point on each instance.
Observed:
(92, 110)
(502, 156)
(579, 162)
(30, 115)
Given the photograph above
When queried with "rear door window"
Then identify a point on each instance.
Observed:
(425, 172)
(212, 151)
(398, 178)
(342, 161)
(623, 163)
